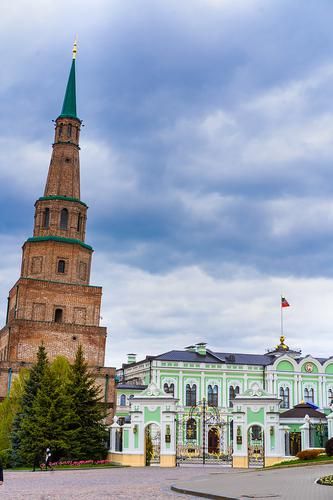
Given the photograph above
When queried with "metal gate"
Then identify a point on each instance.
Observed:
(256, 446)
(203, 437)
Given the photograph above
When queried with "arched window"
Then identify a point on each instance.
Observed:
(123, 400)
(46, 218)
(61, 266)
(169, 389)
(212, 395)
(69, 130)
(79, 222)
(232, 393)
(191, 395)
(191, 429)
(58, 315)
(64, 218)
(308, 395)
(284, 395)
(60, 130)
(330, 396)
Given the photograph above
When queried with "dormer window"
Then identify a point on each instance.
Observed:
(64, 218)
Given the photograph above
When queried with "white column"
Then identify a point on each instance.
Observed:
(180, 394)
(300, 395)
(305, 433)
(224, 395)
(320, 390)
(202, 387)
(330, 425)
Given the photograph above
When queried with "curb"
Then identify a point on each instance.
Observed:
(201, 495)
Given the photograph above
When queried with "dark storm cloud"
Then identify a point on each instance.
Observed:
(207, 141)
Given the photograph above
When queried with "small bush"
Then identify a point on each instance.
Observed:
(6, 458)
(329, 448)
(308, 454)
(326, 480)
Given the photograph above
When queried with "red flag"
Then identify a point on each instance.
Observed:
(284, 302)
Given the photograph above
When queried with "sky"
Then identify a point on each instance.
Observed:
(206, 161)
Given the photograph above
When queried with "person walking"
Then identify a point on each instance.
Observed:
(1, 473)
(48, 459)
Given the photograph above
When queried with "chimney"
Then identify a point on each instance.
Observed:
(190, 348)
(131, 358)
(201, 348)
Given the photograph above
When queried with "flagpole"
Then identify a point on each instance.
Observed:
(281, 316)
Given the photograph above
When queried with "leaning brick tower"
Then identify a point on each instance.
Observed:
(52, 301)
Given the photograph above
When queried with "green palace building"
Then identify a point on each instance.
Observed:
(197, 405)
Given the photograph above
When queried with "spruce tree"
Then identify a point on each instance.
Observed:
(47, 425)
(88, 434)
(30, 388)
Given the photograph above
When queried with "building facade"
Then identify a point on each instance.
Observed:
(223, 397)
(53, 301)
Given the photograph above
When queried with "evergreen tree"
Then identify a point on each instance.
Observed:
(48, 423)
(30, 389)
(9, 407)
(88, 433)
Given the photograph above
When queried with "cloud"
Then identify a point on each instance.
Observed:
(237, 314)
(206, 159)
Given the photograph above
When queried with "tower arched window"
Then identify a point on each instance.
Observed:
(61, 266)
(191, 429)
(69, 130)
(212, 395)
(46, 218)
(232, 393)
(60, 130)
(191, 395)
(58, 315)
(64, 218)
(79, 222)
(123, 400)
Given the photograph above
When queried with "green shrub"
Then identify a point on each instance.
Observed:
(6, 458)
(327, 480)
(329, 448)
(309, 454)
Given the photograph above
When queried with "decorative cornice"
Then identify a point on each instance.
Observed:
(60, 239)
(62, 198)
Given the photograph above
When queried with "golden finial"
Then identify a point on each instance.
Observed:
(75, 48)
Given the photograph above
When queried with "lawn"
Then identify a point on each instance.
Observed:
(297, 462)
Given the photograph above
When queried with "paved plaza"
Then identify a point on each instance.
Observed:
(153, 482)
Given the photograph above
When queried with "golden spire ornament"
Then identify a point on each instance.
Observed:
(74, 48)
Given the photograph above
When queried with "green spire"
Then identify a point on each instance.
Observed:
(69, 105)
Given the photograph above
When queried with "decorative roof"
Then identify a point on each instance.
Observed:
(69, 104)
(153, 391)
(255, 392)
(218, 358)
(131, 387)
(302, 409)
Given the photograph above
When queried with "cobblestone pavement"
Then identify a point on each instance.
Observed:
(297, 483)
(100, 484)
